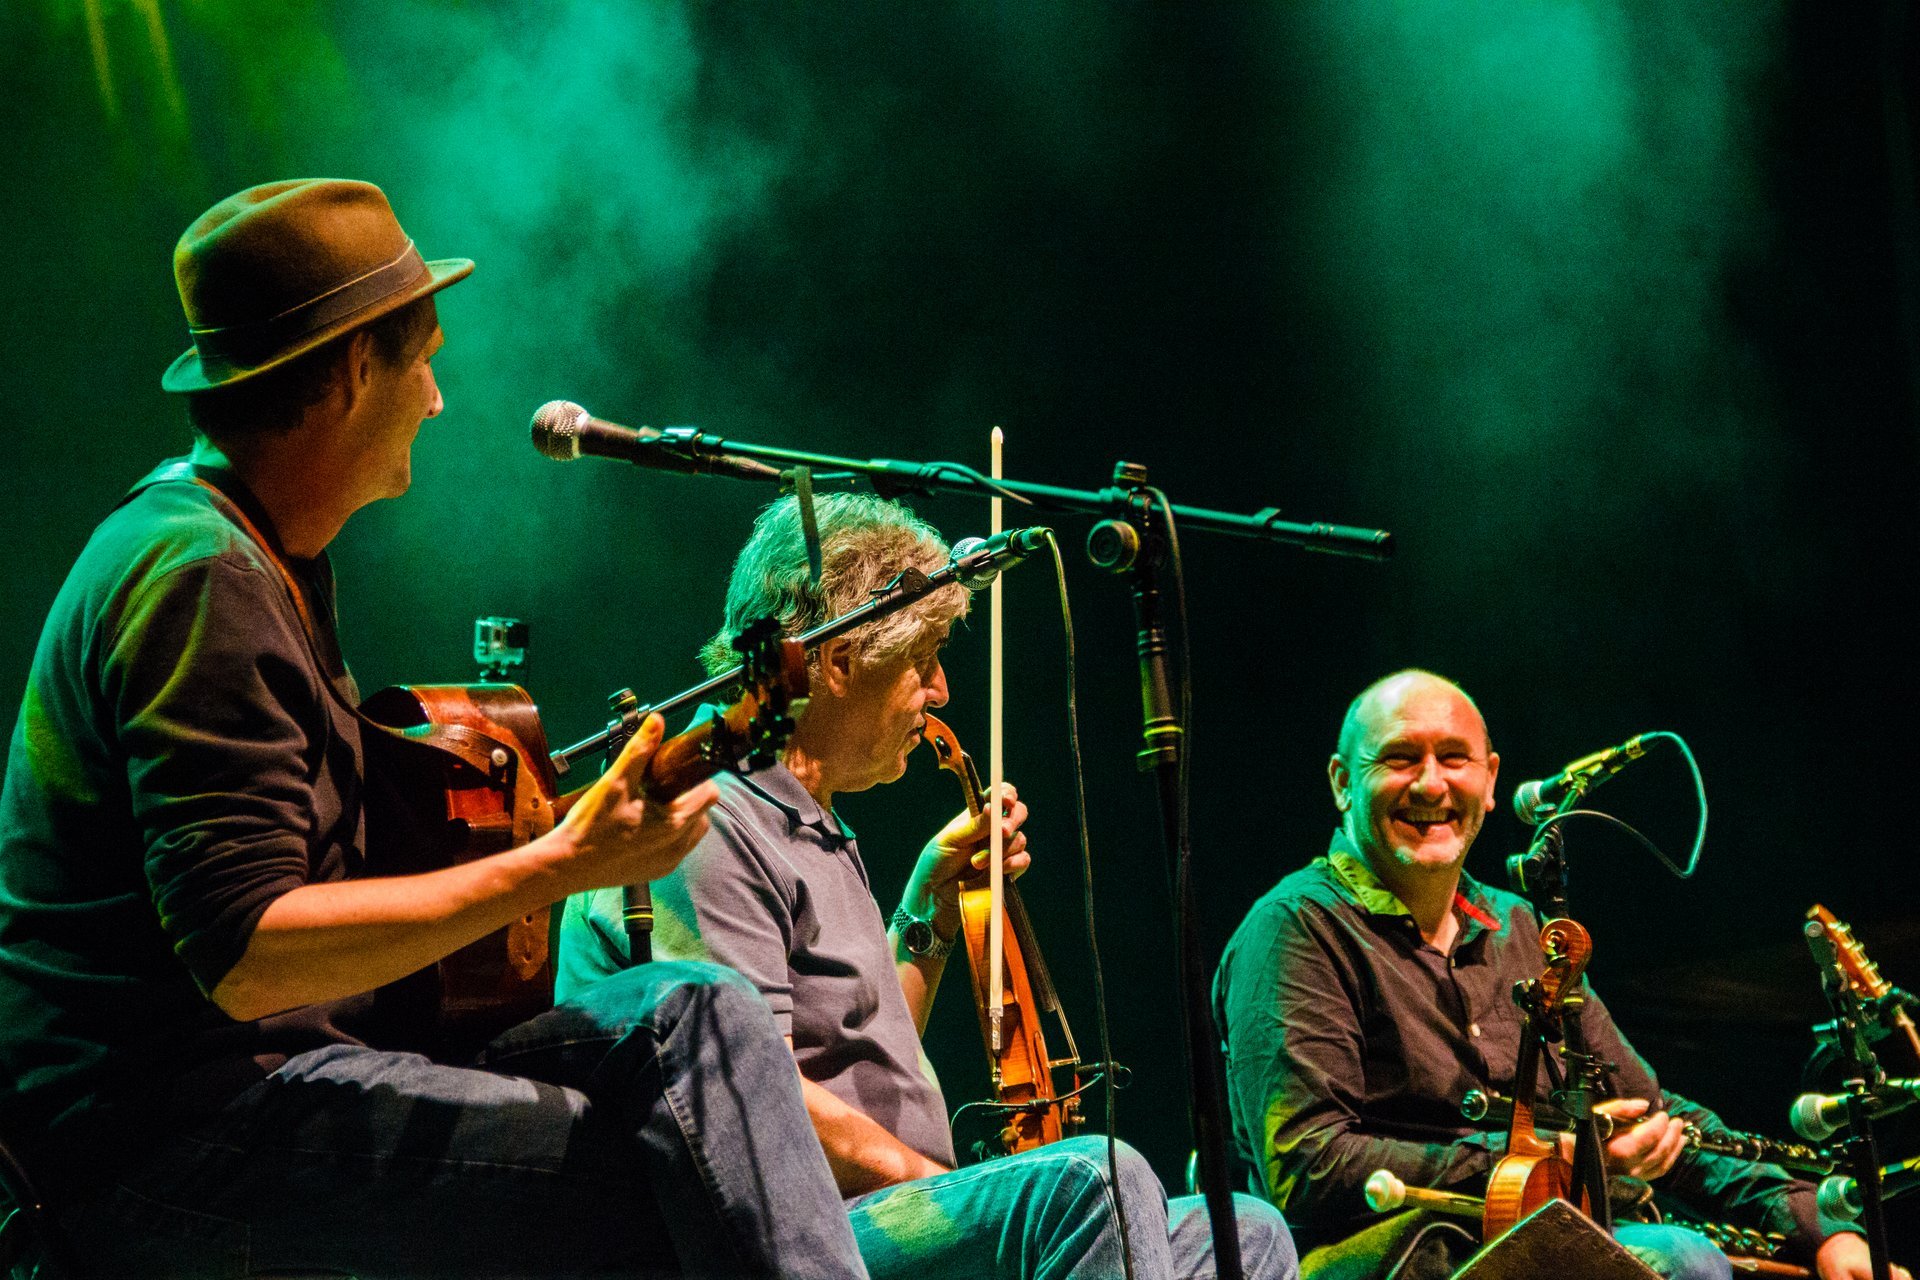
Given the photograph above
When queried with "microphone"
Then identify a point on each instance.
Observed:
(1535, 802)
(1839, 1196)
(563, 431)
(1385, 1193)
(1818, 1116)
(978, 561)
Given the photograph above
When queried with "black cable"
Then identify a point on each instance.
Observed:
(1699, 793)
(1627, 827)
(1178, 564)
(1200, 1057)
(1118, 1078)
(991, 485)
(1086, 882)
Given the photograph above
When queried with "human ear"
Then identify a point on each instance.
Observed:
(356, 368)
(1341, 782)
(836, 665)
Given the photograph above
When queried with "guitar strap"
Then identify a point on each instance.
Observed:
(466, 744)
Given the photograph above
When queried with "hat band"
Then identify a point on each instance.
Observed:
(257, 341)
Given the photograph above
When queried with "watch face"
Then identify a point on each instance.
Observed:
(918, 937)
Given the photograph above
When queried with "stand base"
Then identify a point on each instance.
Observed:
(1555, 1240)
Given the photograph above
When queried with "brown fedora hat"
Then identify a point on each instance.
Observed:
(281, 268)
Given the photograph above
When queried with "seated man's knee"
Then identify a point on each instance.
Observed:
(675, 988)
(1675, 1252)
(1123, 1167)
(1266, 1245)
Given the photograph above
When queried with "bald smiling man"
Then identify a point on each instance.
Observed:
(1368, 991)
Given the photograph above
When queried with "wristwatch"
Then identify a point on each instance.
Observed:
(922, 940)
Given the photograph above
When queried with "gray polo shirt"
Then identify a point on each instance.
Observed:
(776, 890)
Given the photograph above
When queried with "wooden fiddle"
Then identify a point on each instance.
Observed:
(1022, 1070)
(459, 772)
(1532, 1170)
(1862, 974)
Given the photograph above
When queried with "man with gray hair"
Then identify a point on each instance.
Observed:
(777, 890)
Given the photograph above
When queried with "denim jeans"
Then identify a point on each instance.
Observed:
(1048, 1214)
(1675, 1252)
(651, 1127)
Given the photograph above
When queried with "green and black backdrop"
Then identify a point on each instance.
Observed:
(1604, 307)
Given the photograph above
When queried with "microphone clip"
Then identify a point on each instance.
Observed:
(1540, 874)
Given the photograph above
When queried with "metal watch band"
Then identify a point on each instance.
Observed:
(912, 929)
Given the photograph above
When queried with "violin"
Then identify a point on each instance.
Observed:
(459, 772)
(1022, 1069)
(1532, 1171)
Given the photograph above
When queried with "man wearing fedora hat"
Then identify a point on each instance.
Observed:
(194, 1067)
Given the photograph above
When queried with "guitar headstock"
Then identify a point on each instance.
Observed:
(747, 734)
(773, 693)
(1862, 974)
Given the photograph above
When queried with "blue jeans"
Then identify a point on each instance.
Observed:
(653, 1126)
(1048, 1215)
(1675, 1252)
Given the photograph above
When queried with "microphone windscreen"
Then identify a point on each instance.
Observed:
(978, 578)
(556, 429)
(1527, 805)
(1839, 1199)
(1810, 1117)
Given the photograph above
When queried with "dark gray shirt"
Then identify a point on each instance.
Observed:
(179, 762)
(776, 890)
(1350, 1042)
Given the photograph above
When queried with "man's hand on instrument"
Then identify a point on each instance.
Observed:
(1844, 1257)
(620, 837)
(957, 853)
(1644, 1149)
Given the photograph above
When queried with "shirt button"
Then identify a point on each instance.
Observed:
(1473, 1028)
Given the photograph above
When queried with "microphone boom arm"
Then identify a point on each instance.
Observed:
(699, 447)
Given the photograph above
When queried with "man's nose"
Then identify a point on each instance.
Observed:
(1430, 781)
(434, 404)
(937, 686)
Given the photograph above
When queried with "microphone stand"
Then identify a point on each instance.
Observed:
(1847, 1037)
(1131, 542)
(1541, 874)
(1127, 540)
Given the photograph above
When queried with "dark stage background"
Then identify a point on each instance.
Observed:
(1601, 306)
